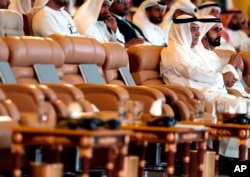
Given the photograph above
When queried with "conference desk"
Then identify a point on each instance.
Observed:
(171, 136)
(217, 130)
(86, 140)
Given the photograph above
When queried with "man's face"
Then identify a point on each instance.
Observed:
(104, 12)
(195, 32)
(155, 15)
(4, 4)
(236, 22)
(62, 3)
(214, 35)
(120, 7)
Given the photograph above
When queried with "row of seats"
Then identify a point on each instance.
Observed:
(66, 53)
(21, 53)
(25, 51)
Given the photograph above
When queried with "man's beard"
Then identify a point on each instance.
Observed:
(234, 27)
(213, 42)
(156, 21)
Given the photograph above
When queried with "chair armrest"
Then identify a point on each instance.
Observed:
(34, 98)
(105, 97)
(68, 93)
(12, 109)
(59, 106)
(180, 109)
(146, 94)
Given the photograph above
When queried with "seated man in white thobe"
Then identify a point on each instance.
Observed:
(148, 17)
(94, 19)
(181, 64)
(211, 32)
(233, 22)
(50, 16)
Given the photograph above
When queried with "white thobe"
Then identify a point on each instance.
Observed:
(48, 21)
(100, 32)
(239, 39)
(154, 34)
(189, 69)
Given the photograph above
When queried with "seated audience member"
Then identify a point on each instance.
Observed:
(180, 64)
(211, 31)
(49, 17)
(94, 19)
(4, 4)
(179, 7)
(132, 33)
(21, 6)
(147, 17)
(232, 21)
(212, 8)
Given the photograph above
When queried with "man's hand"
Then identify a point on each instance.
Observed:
(236, 61)
(111, 22)
(229, 79)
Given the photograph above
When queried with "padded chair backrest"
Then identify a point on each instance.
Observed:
(148, 96)
(116, 57)
(144, 62)
(11, 23)
(79, 50)
(25, 51)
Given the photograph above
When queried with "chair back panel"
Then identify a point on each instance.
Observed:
(79, 50)
(116, 57)
(144, 62)
(26, 51)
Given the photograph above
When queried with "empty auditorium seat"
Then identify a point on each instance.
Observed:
(26, 51)
(85, 50)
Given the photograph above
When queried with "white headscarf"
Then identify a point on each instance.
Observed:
(87, 14)
(21, 6)
(140, 18)
(180, 39)
(183, 5)
(38, 4)
(206, 7)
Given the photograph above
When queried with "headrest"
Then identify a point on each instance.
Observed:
(80, 49)
(27, 50)
(116, 55)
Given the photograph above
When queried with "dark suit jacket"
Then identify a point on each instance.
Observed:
(127, 31)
